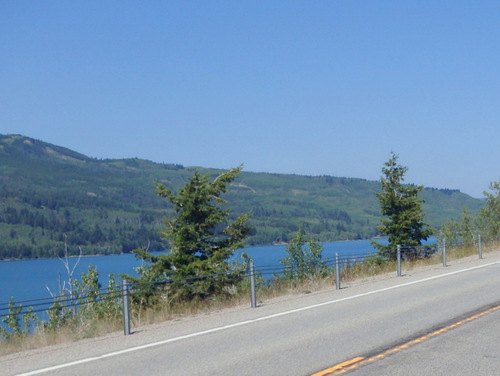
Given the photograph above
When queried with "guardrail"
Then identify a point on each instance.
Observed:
(70, 304)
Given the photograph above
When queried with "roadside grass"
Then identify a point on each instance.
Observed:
(237, 295)
(74, 331)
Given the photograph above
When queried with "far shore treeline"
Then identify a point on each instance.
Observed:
(52, 199)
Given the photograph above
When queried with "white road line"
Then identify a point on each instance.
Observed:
(241, 323)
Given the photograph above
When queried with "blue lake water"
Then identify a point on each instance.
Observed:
(32, 279)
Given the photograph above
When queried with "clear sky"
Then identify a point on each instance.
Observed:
(304, 87)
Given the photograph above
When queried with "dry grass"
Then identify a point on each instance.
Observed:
(69, 333)
(362, 270)
(282, 287)
(141, 315)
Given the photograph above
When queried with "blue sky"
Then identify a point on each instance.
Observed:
(304, 87)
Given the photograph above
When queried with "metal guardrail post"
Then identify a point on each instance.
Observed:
(480, 248)
(399, 260)
(252, 285)
(337, 272)
(444, 253)
(126, 308)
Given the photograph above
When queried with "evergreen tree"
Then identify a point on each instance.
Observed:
(201, 239)
(401, 205)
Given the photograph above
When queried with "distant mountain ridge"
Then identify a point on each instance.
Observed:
(52, 196)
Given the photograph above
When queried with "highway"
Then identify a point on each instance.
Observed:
(435, 320)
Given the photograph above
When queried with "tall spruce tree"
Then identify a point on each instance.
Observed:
(404, 223)
(201, 240)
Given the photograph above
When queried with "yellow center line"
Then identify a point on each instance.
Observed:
(338, 367)
(361, 361)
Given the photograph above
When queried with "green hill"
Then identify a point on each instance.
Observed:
(50, 195)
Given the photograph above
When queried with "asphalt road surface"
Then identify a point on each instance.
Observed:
(439, 321)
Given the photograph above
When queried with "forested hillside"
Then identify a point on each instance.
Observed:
(51, 196)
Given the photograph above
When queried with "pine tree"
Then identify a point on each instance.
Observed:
(404, 222)
(201, 239)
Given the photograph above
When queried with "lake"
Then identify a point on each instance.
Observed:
(32, 279)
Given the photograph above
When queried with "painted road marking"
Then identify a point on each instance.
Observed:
(330, 371)
(242, 323)
(357, 362)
